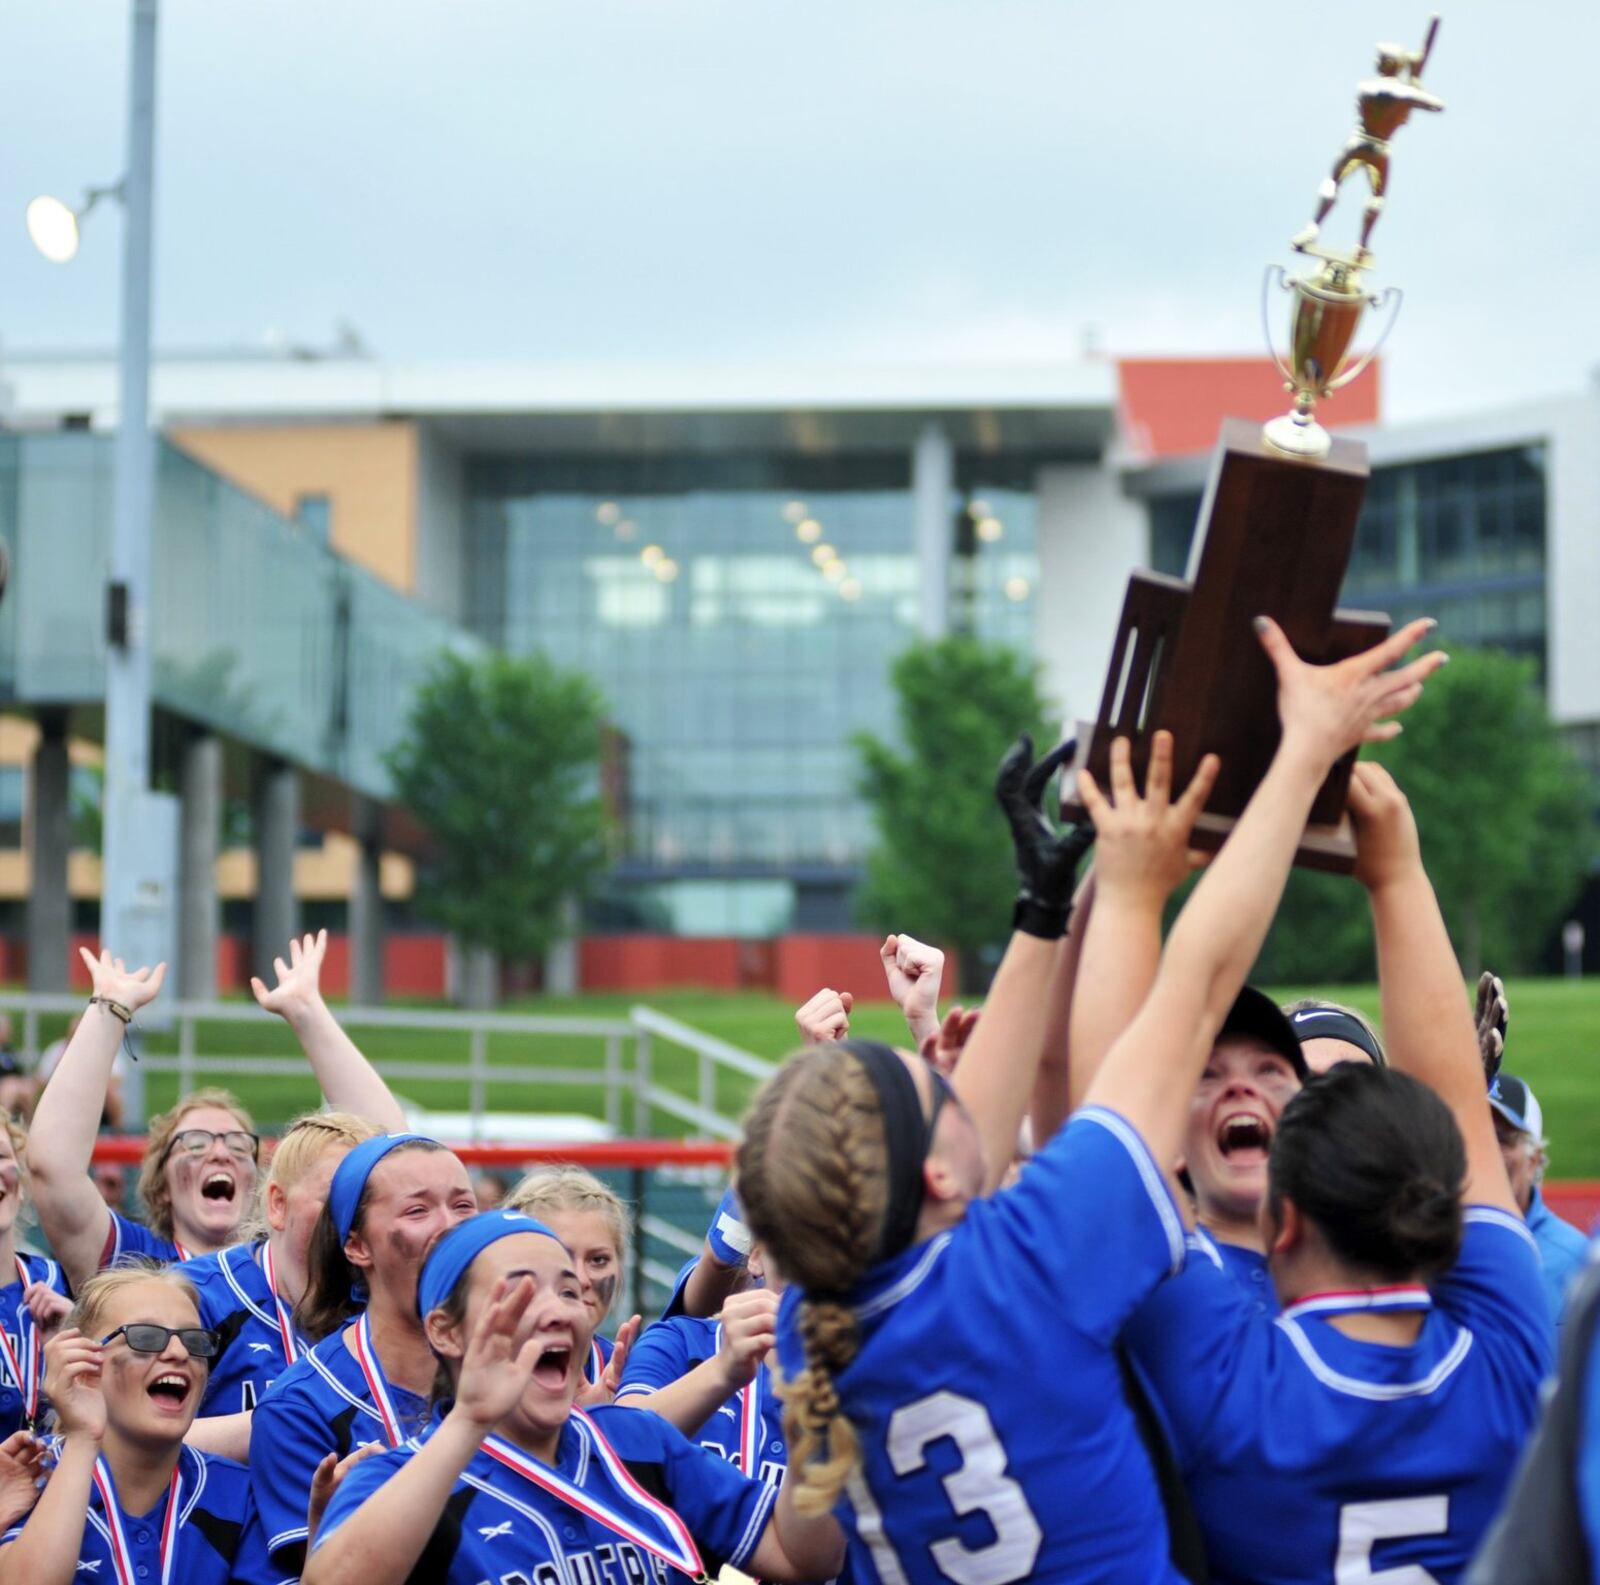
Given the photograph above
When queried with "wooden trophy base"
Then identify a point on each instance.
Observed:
(1275, 538)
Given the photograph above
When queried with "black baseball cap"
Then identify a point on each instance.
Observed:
(1324, 1021)
(1255, 1014)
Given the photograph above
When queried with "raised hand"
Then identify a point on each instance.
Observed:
(23, 1465)
(132, 988)
(326, 1479)
(1047, 859)
(1493, 1019)
(299, 984)
(914, 971)
(72, 1379)
(605, 1390)
(749, 1329)
(500, 1356)
(48, 1308)
(1328, 710)
(942, 1049)
(825, 1017)
(1142, 844)
(1387, 847)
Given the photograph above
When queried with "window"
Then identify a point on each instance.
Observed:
(314, 513)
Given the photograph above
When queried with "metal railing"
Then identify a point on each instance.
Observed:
(626, 1068)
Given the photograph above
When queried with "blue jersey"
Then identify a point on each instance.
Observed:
(1247, 1267)
(747, 1430)
(22, 1370)
(1562, 1252)
(258, 1339)
(500, 1525)
(983, 1460)
(1313, 1456)
(215, 1539)
(130, 1238)
(600, 1351)
(322, 1404)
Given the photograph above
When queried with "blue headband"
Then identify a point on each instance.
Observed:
(449, 1258)
(350, 1180)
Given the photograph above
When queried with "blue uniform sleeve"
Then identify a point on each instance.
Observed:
(288, 1439)
(129, 1238)
(1187, 1341)
(674, 1304)
(726, 1512)
(356, 1487)
(1496, 1290)
(658, 1359)
(252, 1562)
(1092, 1220)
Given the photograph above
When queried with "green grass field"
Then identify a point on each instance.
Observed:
(1554, 1044)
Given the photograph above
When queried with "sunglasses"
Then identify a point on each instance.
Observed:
(145, 1337)
(197, 1141)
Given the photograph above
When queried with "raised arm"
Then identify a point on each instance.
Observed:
(995, 1075)
(1141, 858)
(1428, 1023)
(67, 1120)
(1325, 711)
(914, 971)
(349, 1082)
(1051, 1104)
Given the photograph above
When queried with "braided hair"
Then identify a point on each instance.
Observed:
(813, 1181)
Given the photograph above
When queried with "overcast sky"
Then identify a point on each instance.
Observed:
(838, 181)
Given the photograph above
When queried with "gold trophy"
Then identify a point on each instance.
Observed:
(1328, 306)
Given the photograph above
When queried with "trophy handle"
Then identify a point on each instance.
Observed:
(1389, 292)
(1266, 324)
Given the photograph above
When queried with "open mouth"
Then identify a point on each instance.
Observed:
(1244, 1136)
(170, 1390)
(219, 1186)
(554, 1363)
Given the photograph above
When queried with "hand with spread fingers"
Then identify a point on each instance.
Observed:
(24, 1464)
(1493, 1018)
(326, 1480)
(114, 981)
(605, 1390)
(1142, 843)
(1047, 858)
(1328, 710)
(942, 1049)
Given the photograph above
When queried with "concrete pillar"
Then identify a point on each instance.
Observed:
(562, 970)
(478, 977)
(366, 908)
(277, 818)
(932, 480)
(49, 903)
(199, 839)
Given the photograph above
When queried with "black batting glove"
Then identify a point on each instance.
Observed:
(1047, 859)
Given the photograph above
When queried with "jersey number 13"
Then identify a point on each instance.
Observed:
(979, 1485)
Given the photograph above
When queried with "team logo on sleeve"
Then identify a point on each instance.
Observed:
(493, 1532)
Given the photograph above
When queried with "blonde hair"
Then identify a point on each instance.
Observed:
(569, 1188)
(153, 1189)
(95, 1296)
(812, 1176)
(299, 1149)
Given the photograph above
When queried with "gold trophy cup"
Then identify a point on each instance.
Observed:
(1328, 306)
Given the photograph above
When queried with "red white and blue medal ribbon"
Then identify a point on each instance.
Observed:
(750, 1426)
(648, 1522)
(121, 1557)
(291, 1349)
(183, 1254)
(377, 1387)
(25, 1376)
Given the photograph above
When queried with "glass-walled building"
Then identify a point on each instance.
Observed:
(740, 616)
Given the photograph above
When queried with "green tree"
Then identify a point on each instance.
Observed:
(1505, 811)
(500, 762)
(941, 867)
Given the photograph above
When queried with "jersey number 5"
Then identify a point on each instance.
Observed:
(979, 1485)
(1361, 1524)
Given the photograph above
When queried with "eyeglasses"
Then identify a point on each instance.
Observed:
(197, 1141)
(145, 1337)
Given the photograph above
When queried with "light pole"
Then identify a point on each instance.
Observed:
(130, 884)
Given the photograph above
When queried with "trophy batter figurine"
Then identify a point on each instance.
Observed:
(1384, 104)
